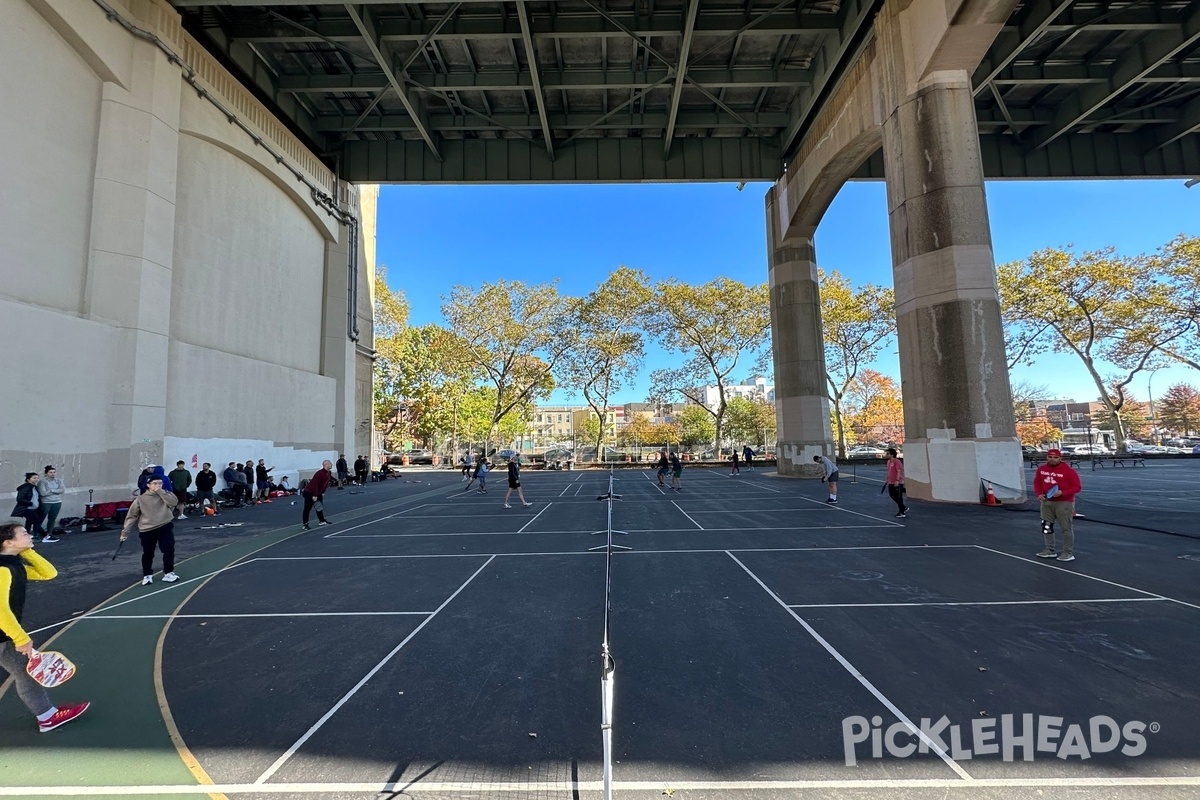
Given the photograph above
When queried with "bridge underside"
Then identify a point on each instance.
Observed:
(668, 90)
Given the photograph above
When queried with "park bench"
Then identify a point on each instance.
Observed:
(1119, 459)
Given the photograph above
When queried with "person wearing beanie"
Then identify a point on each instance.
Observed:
(153, 514)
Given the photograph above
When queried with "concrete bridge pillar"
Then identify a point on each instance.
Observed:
(801, 398)
(130, 257)
(958, 414)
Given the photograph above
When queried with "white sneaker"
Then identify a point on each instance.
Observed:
(48, 539)
(526, 505)
(170, 577)
(506, 505)
(183, 516)
(147, 580)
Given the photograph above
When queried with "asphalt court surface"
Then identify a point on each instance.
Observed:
(439, 645)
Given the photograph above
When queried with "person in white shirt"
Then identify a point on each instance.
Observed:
(830, 477)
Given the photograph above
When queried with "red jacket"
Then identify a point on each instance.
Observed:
(1062, 476)
(318, 483)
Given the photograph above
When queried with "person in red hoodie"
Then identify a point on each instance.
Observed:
(1056, 485)
(313, 492)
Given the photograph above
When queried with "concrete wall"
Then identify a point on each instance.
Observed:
(168, 289)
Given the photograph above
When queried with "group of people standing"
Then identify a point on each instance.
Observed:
(39, 501)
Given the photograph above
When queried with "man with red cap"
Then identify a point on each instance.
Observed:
(1056, 485)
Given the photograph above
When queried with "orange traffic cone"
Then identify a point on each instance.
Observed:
(991, 497)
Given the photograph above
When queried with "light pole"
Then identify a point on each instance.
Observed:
(1153, 421)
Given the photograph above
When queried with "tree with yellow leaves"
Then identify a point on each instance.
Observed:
(718, 328)
(856, 323)
(1090, 304)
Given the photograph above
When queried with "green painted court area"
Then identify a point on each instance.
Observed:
(431, 643)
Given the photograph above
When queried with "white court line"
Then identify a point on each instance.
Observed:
(1042, 563)
(566, 489)
(173, 586)
(370, 522)
(258, 616)
(721, 550)
(870, 687)
(527, 524)
(848, 511)
(279, 762)
(982, 603)
(744, 480)
(689, 516)
(419, 787)
(654, 482)
(746, 531)
(753, 510)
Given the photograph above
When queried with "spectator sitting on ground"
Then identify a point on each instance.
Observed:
(284, 486)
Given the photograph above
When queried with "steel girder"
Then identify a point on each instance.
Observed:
(712, 85)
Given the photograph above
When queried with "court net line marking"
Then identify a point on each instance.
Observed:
(982, 603)
(689, 516)
(279, 762)
(172, 587)
(848, 511)
(740, 479)
(527, 524)
(371, 522)
(635, 552)
(1155, 595)
(420, 787)
(255, 616)
(631, 530)
(870, 687)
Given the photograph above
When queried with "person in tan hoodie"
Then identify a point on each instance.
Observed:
(153, 514)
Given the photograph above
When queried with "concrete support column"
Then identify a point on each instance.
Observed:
(130, 254)
(337, 350)
(801, 399)
(958, 414)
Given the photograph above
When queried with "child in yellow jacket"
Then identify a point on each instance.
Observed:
(18, 565)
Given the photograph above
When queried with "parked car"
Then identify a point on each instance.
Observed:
(419, 456)
(865, 451)
(557, 458)
(504, 456)
(1089, 450)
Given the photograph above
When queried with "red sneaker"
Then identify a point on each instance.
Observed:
(64, 715)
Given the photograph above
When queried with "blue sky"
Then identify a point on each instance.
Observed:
(433, 237)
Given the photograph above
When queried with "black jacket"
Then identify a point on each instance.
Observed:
(25, 494)
(263, 473)
(341, 465)
(16, 593)
(205, 480)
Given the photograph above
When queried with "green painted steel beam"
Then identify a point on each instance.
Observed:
(631, 160)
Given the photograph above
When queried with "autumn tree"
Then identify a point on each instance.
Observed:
(751, 420)
(875, 409)
(665, 434)
(637, 431)
(1026, 396)
(696, 425)
(609, 348)
(856, 323)
(388, 390)
(1085, 304)
(1036, 430)
(1179, 409)
(1177, 304)
(716, 328)
(514, 335)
